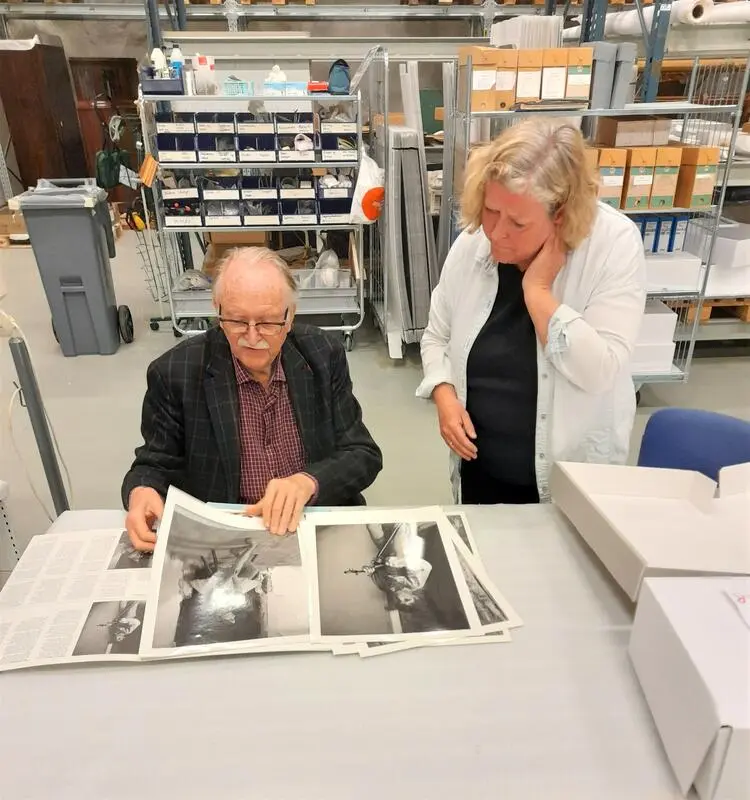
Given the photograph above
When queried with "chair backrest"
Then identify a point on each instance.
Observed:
(703, 441)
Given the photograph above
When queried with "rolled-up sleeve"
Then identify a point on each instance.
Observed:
(591, 348)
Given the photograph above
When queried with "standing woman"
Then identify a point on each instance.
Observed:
(527, 350)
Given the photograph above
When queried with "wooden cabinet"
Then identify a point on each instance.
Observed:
(40, 107)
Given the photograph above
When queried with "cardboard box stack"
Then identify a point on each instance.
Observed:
(502, 77)
(655, 347)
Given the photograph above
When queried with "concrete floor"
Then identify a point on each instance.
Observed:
(94, 402)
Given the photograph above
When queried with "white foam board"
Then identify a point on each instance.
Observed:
(690, 649)
(641, 521)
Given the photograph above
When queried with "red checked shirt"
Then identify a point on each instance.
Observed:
(270, 444)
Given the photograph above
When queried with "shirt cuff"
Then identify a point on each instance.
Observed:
(557, 331)
(314, 498)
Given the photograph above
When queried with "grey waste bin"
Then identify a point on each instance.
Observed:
(71, 235)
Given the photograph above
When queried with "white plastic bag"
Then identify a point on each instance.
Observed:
(369, 193)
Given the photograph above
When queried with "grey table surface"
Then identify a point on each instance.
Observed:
(557, 713)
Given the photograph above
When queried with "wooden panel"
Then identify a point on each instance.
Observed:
(38, 99)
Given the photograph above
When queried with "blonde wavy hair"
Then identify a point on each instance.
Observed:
(544, 160)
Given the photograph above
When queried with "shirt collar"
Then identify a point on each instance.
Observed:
(243, 375)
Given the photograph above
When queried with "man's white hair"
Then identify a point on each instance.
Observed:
(250, 258)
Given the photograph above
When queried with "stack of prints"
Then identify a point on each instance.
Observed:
(351, 581)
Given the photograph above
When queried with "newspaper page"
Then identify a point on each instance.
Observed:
(225, 584)
(386, 576)
(74, 597)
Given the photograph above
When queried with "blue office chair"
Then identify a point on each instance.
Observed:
(703, 441)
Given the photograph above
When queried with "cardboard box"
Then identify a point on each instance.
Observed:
(554, 73)
(238, 238)
(505, 79)
(666, 172)
(690, 649)
(580, 61)
(627, 132)
(592, 157)
(642, 522)
(679, 272)
(662, 129)
(529, 80)
(652, 359)
(11, 222)
(732, 245)
(697, 178)
(639, 177)
(612, 175)
(214, 254)
(658, 324)
(483, 75)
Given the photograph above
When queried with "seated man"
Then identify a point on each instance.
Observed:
(255, 411)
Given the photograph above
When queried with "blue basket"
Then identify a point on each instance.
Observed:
(235, 88)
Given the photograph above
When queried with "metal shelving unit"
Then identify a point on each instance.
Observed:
(713, 123)
(197, 303)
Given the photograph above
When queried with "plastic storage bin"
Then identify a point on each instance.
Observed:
(71, 235)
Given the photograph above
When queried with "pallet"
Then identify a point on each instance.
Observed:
(738, 307)
(7, 244)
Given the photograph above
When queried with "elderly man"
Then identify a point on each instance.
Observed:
(255, 411)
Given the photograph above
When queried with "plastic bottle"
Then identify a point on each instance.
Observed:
(176, 60)
(158, 61)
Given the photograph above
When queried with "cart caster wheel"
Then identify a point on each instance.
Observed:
(153, 325)
(348, 342)
(177, 334)
(125, 324)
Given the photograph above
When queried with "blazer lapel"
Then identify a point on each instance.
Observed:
(221, 397)
(301, 386)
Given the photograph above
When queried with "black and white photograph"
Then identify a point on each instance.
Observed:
(463, 531)
(386, 579)
(112, 628)
(127, 557)
(224, 584)
(492, 608)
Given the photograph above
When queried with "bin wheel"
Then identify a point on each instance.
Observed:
(125, 324)
(349, 342)
(154, 325)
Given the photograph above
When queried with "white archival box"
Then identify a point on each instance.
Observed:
(732, 245)
(642, 521)
(658, 324)
(675, 272)
(691, 652)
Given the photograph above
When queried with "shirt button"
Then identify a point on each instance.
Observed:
(542, 416)
(544, 376)
(541, 456)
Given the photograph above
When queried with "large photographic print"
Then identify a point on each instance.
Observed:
(386, 576)
(127, 557)
(226, 583)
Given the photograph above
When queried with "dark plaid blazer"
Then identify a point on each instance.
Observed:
(190, 420)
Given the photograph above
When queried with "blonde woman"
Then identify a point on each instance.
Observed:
(531, 328)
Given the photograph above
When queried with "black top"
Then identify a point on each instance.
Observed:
(502, 385)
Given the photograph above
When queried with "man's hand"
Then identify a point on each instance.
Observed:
(546, 265)
(282, 505)
(456, 427)
(145, 508)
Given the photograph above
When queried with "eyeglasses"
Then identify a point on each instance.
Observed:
(240, 326)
